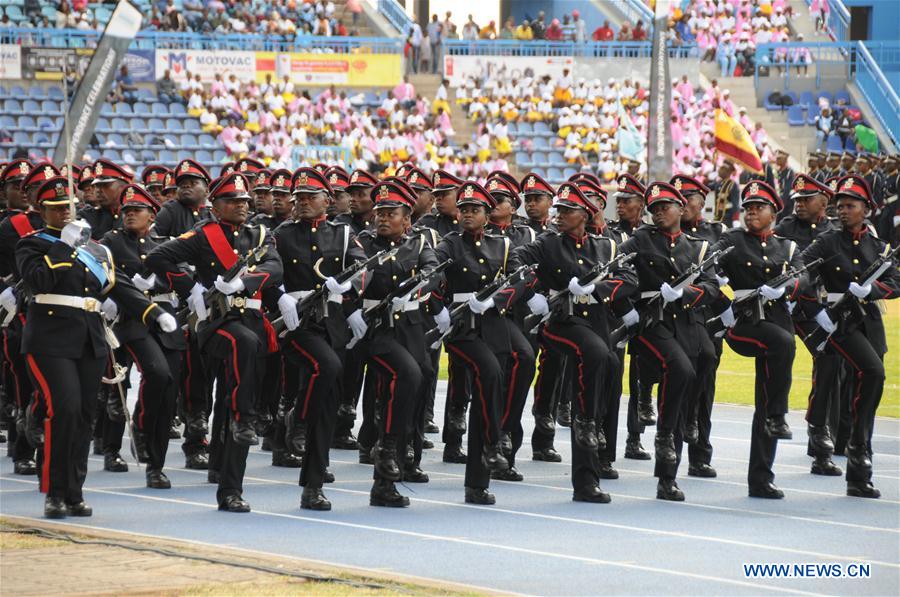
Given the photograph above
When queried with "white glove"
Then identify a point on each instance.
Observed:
(727, 317)
(8, 299)
(479, 307)
(442, 320)
(196, 303)
(722, 280)
(142, 283)
(538, 304)
(228, 288)
(288, 307)
(357, 324)
(335, 287)
(860, 291)
(76, 233)
(167, 323)
(109, 309)
(825, 322)
(631, 318)
(791, 305)
(578, 290)
(398, 302)
(771, 293)
(669, 294)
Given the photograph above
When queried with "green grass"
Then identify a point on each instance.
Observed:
(734, 383)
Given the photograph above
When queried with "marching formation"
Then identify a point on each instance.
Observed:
(281, 306)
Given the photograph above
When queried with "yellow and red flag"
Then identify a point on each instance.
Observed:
(733, 141)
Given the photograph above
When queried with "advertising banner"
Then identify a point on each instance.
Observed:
(206, 63)
(458, 68)
(10, 61)
(354, 70)
(49, 64)
(141, 65)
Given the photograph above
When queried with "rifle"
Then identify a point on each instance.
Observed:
(434, 337)
(6, 317)
(847, 309)
(408, 287)
(119, 373)
(318, 297)
(216, 302)
(751, 304)
(532, 322)
(655, 305)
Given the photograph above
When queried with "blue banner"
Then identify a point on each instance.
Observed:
(141, 65)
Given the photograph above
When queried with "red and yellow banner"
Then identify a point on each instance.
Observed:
(733, 141)
(353, 70)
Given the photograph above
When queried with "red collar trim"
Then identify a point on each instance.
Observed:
(764, 235)
(672, 236)
(577, 239)
(314, 223)
(476, 236)
(862, 232)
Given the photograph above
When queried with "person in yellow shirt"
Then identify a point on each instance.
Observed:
(523, 32)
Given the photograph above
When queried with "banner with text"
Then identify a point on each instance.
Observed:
(207, 64)
(10, 61)
(354, 70)
(459, 68)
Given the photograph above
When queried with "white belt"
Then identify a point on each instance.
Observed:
(240, 302)
(462, 297)
(86, 303)
(578, 300)
(302, 294)
(834, 297)
(169, 297)
(647, 294)
(412, 305)
(739, 294)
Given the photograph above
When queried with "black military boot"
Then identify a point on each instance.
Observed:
(197, 461)
(492, 459)
(820, 439)
(646, 414)
(591, 494)
(607, 471)
(479, 495)
(510, 474)
(140, 446)
(312, 498)
(365, 455)
(667, 489)
(858, 458)
(824, 466)
(456, 421)
(453, 454)
(691, 433)
(545, 454)
(54, 507)
(243, 432)
(634, 450)
(174, 431)
(156, 479)
(665, 448)
(564, 414)
(545, 424)
(862, 489)
(197, 425)
(506, 445)
(114, 464)
(285, 459)
(295, 434)
(384, 453)
(412, 473)
(777, 427)
(585, 433)
(766, 491)
(25, 466)
(344, 442)
(384, 494)
(431, 427)
(701, 469)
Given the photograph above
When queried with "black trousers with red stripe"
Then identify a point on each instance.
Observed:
(773, 348)
(702, 405)
(588, 356)
(517, 380)
(487, 373)
(196, 395)
(159, 369)
(611, 396)
(18, 388)
(459, 391)
(67, 389)
(352, 381)
(868, 386)
(548, 390)
(659, 351)
(320, 369)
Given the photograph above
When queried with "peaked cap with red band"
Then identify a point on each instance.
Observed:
(361, 179)
(418, 179)
(53, 191)
(15, 169)
(807, 186)
(686, 185)
(388, 194)
(280, 181)
(135, 196)
(444, 181)
(472, 193)
(87, 176)
(229, 187)
(259, 180)
(310, 180)
(226, 168)
(154, 176)
(533, 184)
(169, 182)
(405, 186)
(192, 168)
(626, 184)
(39, 173)
(509, 178)
(338, 178)
(855, 187)
(662, 192)
(589, 185)
(569, 195)
(76, 172)
(248, 166)
(758, 191)
(108, 171)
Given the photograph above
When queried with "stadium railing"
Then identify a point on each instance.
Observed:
(395, 15)
(878, 91)
(320, 153)
(634, 11)
(591, 49)
(151, 40)
(838, 23)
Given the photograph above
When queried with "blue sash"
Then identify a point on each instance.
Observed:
(92, 263)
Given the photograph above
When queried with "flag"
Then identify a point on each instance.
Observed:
(733, 141)
(866, 138)
(629, 140)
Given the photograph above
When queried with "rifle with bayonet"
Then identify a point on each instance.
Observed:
(406, 289)
(847, 309)
(434, 337)
(653, 309)
(751, 306)
(596, 274)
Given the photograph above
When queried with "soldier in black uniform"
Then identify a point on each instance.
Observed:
(579, 330)
(109, 180)
(860, 338)
(727, 196)
(480, 342)
(279, 196)
(394, 345)
(154, 179)
(693, 224)
(57, 264)
(422, 185)
(670, 338)
(313, 250)
(158, 355)
(538, 195)
(361, 214)
(175, 218)
(338, 209)
(445, 218)
(889, 224)
(809, 220)
(237, 340)
(760, 255)
(261, 193)
(785, 179)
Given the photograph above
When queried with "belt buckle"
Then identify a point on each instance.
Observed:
(581, 300)
(91, 304)
(239, 302)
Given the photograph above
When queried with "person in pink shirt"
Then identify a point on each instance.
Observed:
(218, 85)
(685, 88)
(405, 93)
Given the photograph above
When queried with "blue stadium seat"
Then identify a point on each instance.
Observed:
(806, 99)
(27, 123)
(139, 125)
(55, 92)
(795, 116)
(542, 129)
(208, 141)
(173, 124)
(525, 129)
(795, 99)
(522, 157)
(203, 156)
(46, 123)
(141, 108)
(184, 154)
(18, 91)
(31, 106)
(92, 155)
(156, 124)
(7, 122)
(813, 113)
(116, 138)
(148, 156)
(511, 128)
(12, 106)
(850, 144)
(834, 144)
(193, 125)
(111, 154)
(189, 141)
(177, 109)
(129, 158)
(219, 156)
(823, 94)
(159, 108)
(569, 173)
(841, 97)
(539, 158)
(37, 92)
(540, 172)
(540, 143)
(41, 139)
(556, 158)
(21, 138)
(770, 106)
(51, 107)
(167, 157)
(554, 175)
(119, 124)
(124, 108)
(103, 125)
(3, 92)
(107, 110)
(146, 95)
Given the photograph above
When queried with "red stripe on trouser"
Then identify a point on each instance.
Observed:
(477, 371)
(187, 379)
(665, 376)
(313, 377)
(859, 375)
(812, 391)
(137, 364)
(512, 387)
(581, 385)
(48, 436)
(537, 384)
(393, 389)
(237, 373)
(12, 369)
(765, 348)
